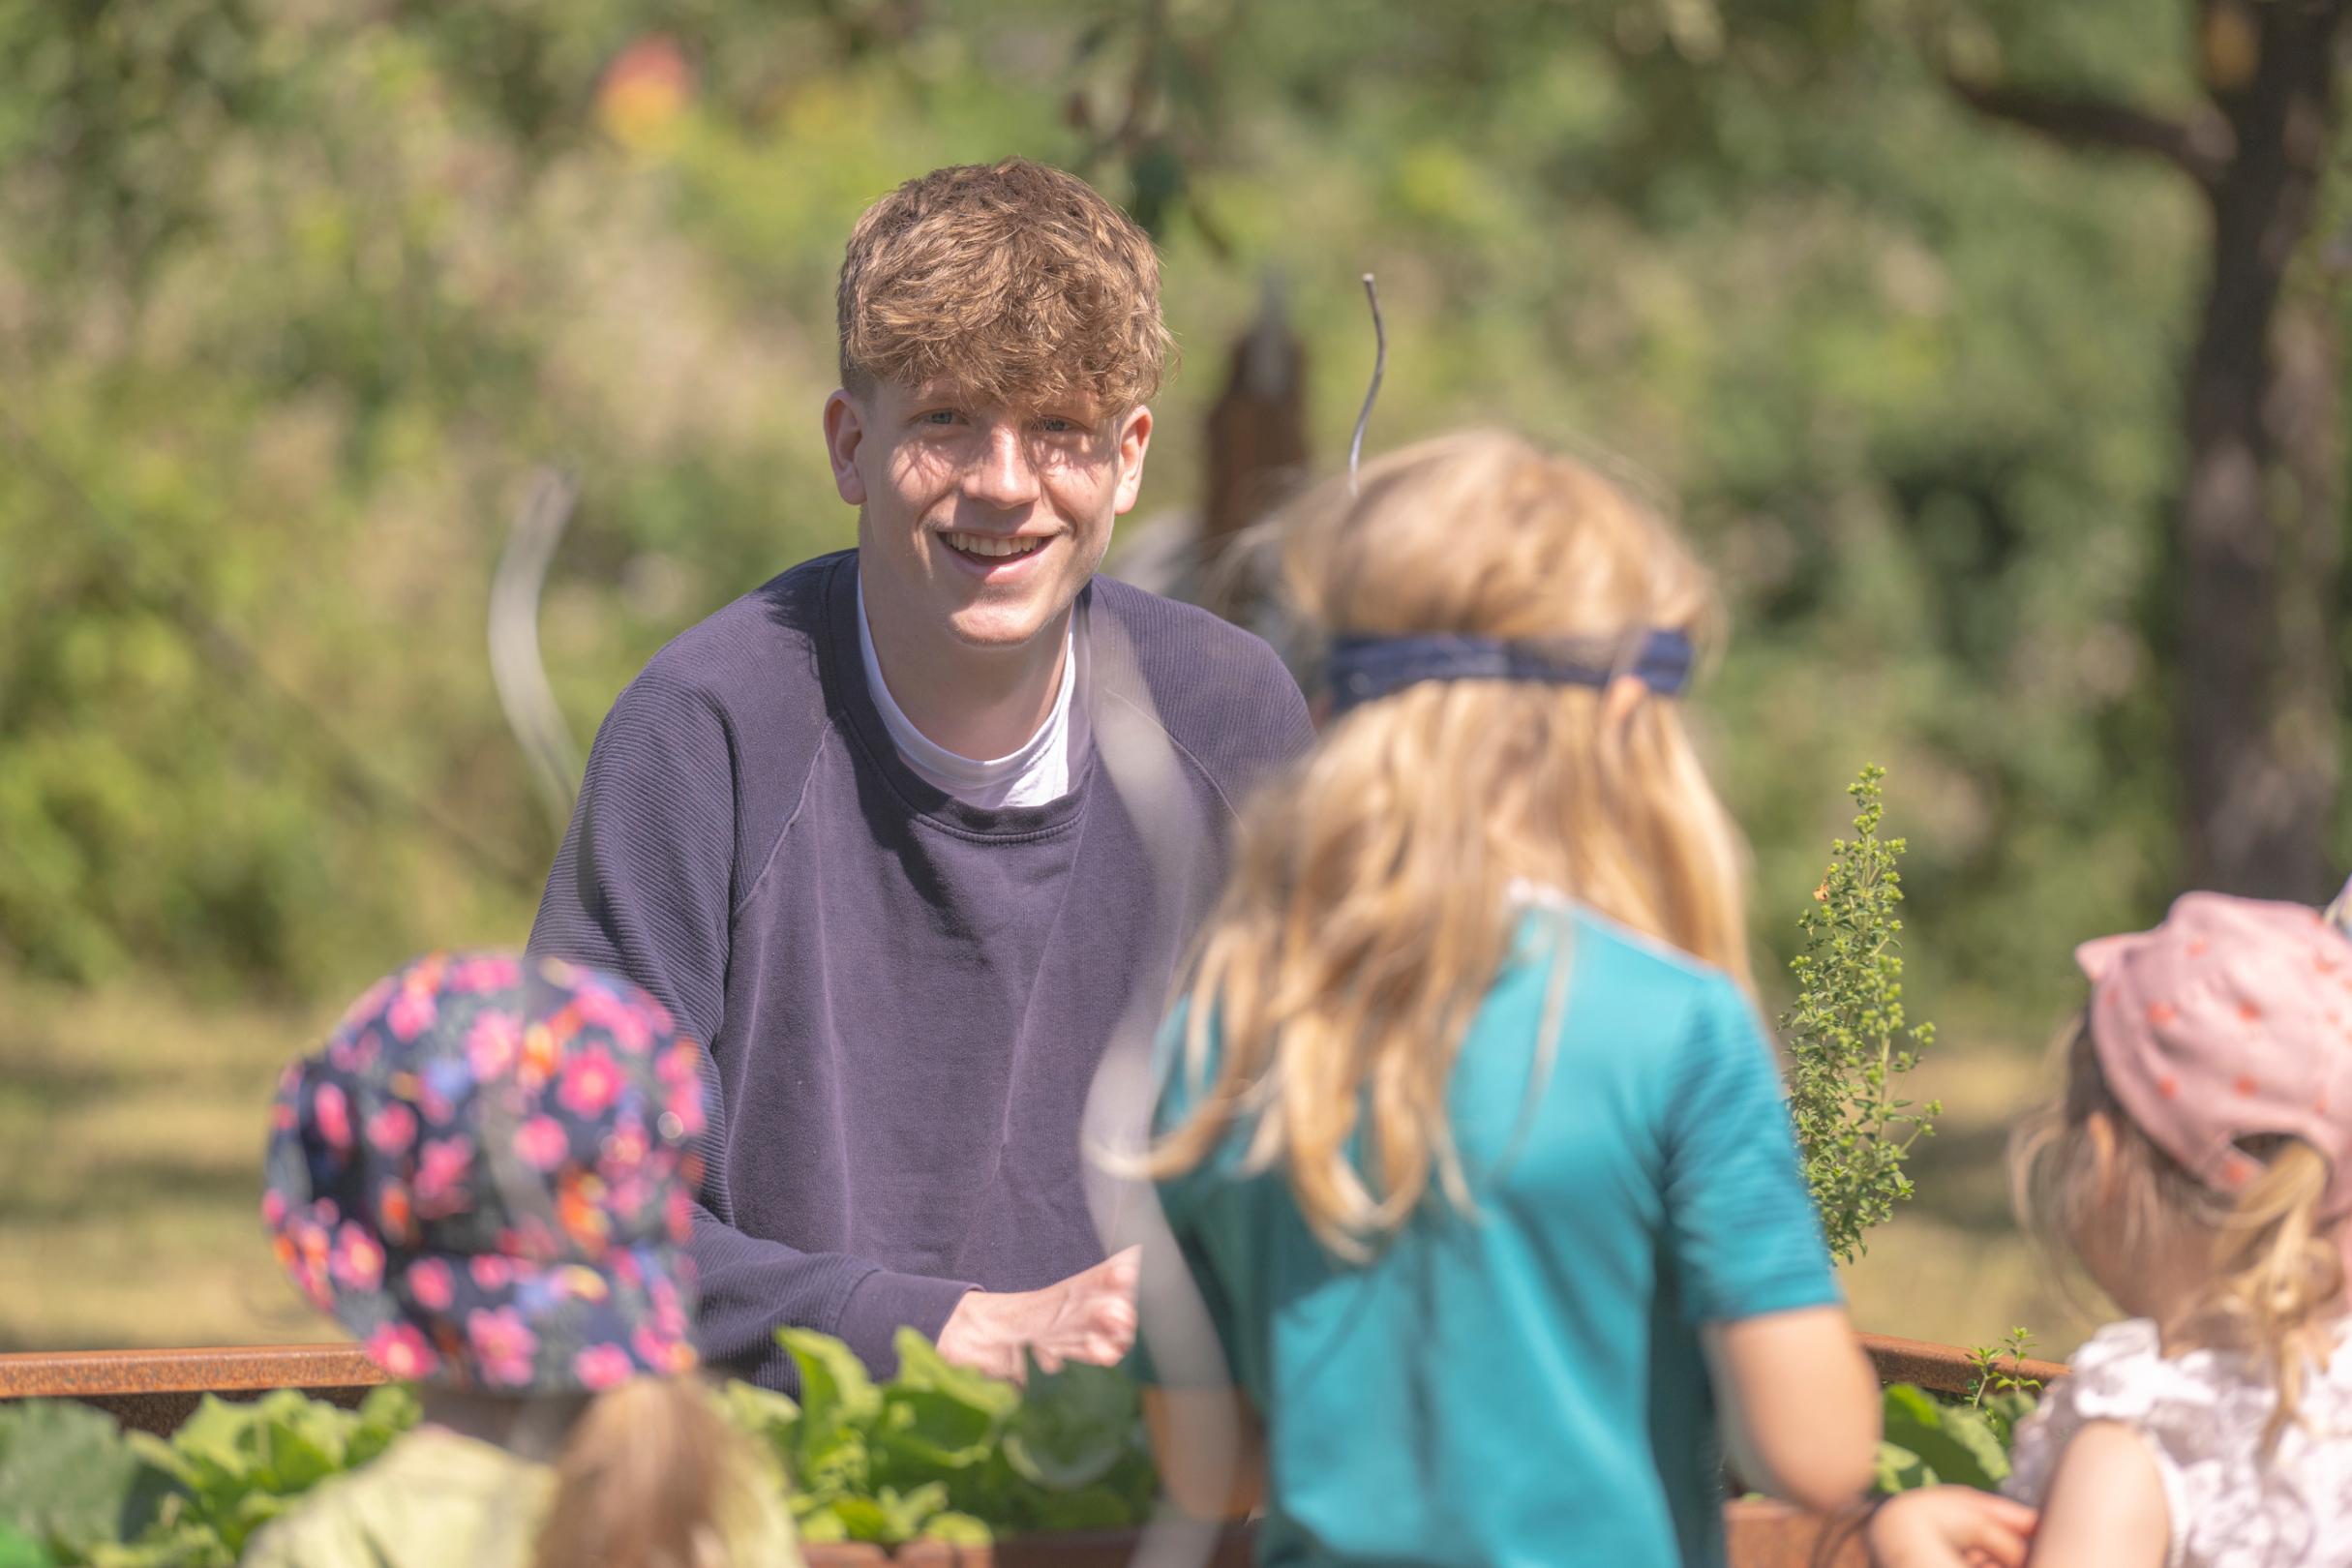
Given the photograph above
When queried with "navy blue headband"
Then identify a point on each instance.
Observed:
(1366, 669)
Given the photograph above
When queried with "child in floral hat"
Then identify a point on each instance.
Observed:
(485, 1177)
(2200, 1169)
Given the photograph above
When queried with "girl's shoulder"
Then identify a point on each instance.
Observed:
(1551, 926)
(2202, 1415)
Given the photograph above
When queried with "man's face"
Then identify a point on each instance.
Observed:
(985, 520)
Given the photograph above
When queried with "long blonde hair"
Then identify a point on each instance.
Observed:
(1369, 906)
(652, 1477)
(2275, 1271)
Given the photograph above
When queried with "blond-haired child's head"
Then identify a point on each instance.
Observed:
(1371, 902)
(2195, 1164)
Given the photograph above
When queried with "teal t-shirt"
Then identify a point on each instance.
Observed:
(1524, 1385)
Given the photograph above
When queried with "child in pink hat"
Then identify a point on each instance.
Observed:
(2199, 1167)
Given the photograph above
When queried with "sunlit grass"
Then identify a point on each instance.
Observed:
(131, 1132)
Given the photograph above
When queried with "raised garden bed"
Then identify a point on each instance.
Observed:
(156, 1390)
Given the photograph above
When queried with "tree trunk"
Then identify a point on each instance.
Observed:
(2259, 521)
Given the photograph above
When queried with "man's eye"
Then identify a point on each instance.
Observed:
(1057, 427)
(940, 416)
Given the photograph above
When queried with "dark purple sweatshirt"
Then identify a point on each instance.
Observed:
(904, 996)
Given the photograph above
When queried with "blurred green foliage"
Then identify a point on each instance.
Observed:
(293, 295)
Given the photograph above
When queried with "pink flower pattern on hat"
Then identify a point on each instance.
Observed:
(484, 1174)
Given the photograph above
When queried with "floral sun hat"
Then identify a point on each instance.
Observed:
(486, 1173)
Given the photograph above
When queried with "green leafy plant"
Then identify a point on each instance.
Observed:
(2000, 1389)
(1849, 1039)
(71, 1485)
(1926, 1441)
(1997, 1368)
(943, 1453)
(937, 1453)
(76, 1489)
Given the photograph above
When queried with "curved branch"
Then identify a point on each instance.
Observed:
(2200, 147)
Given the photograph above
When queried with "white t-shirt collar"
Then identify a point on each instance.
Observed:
(1039, 771)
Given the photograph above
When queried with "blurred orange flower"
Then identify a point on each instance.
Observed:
(645, 90)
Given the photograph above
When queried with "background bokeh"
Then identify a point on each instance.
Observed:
(297, 297)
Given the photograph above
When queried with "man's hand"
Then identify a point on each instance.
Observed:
(1950, 1527)
(1089, 1316)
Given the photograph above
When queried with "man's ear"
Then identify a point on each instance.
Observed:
(1135, 441)
(844, 431)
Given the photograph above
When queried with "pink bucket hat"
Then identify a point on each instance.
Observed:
(2231, 1019)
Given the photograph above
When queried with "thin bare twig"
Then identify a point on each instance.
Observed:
(516, 668)
(1356, 447)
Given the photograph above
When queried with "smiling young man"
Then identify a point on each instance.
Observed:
(853, 828)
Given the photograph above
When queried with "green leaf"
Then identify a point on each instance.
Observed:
(71, 1479)
(905, 1514)
(762, 1414)
(923, 1430)
(1899, 1469)
(921, 1367)
(19, 1549)
(1958, 1444)
(863, 1518)
(186, 1544)
(834, 1389)
(2003, 1411)
(1073, 1425)
(821, 1524)
(384, 1415)
(958, 1529)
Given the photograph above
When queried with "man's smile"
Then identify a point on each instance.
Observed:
(994, 557)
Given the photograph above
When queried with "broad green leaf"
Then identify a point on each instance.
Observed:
(835, 1388)
(71, 1479)
(921, 1366)
(2005, 1410)
(837, 1465)
(1956, 1443)
(820, 1524)
(923, 1430)
(187, 1544)
(383, 1416)
(297, 1455)
(761, 1413)
(905, 1514)
(863, 1518)
(219, 1441)
(19, 1549)
(1899, 1469)
(1073, 1425)
(958, 1529)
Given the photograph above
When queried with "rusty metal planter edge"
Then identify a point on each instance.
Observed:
(155, 1389)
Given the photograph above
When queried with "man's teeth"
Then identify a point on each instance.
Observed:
(984, 544)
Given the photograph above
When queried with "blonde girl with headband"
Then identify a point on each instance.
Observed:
(1467, 1133)
(2199, 1169)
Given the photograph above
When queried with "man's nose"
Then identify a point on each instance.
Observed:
(1003, 475)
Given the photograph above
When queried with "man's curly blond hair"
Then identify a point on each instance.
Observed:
(1015, 282)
